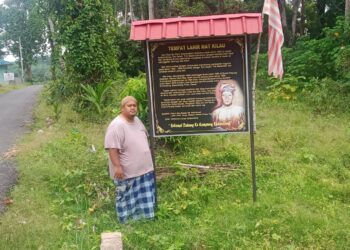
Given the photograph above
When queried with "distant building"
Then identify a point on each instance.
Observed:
(3, 69)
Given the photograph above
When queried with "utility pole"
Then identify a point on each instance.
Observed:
(21, 58)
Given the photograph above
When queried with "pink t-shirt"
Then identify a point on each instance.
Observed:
(131, 140)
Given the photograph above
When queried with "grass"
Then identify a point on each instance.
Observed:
(4, 88)
(64, 199)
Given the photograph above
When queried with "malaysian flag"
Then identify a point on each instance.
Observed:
(276, 38)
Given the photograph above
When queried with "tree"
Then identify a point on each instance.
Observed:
(302, 18)
(328, 10)
(150, 9)
(49, 11)
(2, 53)
(87, 31)
(283, 8)
(132, 15)
(295, 4)
(20, 20)
(347, 11)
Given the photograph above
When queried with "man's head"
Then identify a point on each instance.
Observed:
(128, 107)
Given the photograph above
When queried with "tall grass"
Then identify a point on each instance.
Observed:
(64, 198)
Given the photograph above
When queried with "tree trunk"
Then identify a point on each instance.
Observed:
(221, 6)
(286, 32)
(157, 11)
(28, 72)
(302, 18)
(296, 4)
(150, 9)
(131, 11)
(170, 8)
(347, 11)
(283, 13)
(54, 46)
(126, 11)
(114, 6)
(321, 9)
(53, 49)
(142, 15)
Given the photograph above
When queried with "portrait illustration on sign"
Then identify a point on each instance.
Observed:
(228, 113)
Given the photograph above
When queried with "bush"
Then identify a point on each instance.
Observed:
(325, 57)
(287, 88)
(177, 144)
(130, 55)
(307, 58)
(95, 95)
(342, 62)
(60, 90)
(92, 101)
(327, 95)
(137, 87)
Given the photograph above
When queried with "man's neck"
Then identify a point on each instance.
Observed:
(128, 119)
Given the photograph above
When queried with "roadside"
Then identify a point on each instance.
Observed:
(8, 177)
(15, 116)
(4, 88)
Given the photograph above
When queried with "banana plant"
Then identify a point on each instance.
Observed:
(96, 95)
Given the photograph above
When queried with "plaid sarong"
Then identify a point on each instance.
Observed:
(135, 197)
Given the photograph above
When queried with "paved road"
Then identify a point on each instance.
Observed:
(15, 113)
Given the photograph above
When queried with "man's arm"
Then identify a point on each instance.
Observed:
(114, 156)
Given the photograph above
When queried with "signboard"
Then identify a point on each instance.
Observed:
(198, 86)
(9, 77)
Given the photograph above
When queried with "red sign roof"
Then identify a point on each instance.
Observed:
(201, 26)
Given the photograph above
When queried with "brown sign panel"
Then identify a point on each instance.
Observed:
(198, 86)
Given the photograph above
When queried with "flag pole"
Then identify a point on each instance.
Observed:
(251, 121)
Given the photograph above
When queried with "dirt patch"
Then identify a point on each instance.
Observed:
(8, 178)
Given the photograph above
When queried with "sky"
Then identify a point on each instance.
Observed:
(9, 58)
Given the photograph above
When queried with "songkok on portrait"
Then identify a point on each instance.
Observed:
(228, 88)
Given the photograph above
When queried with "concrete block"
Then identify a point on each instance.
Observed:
(111, 241)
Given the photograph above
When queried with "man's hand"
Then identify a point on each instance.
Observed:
(118, 174)
(114, 156)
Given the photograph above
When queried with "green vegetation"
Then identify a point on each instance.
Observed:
(88, 36)
(329, 53)
(4, 88)
(65, 199)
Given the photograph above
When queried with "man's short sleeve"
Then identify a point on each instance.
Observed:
(114, 137)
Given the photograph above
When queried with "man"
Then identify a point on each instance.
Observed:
(130, 164)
